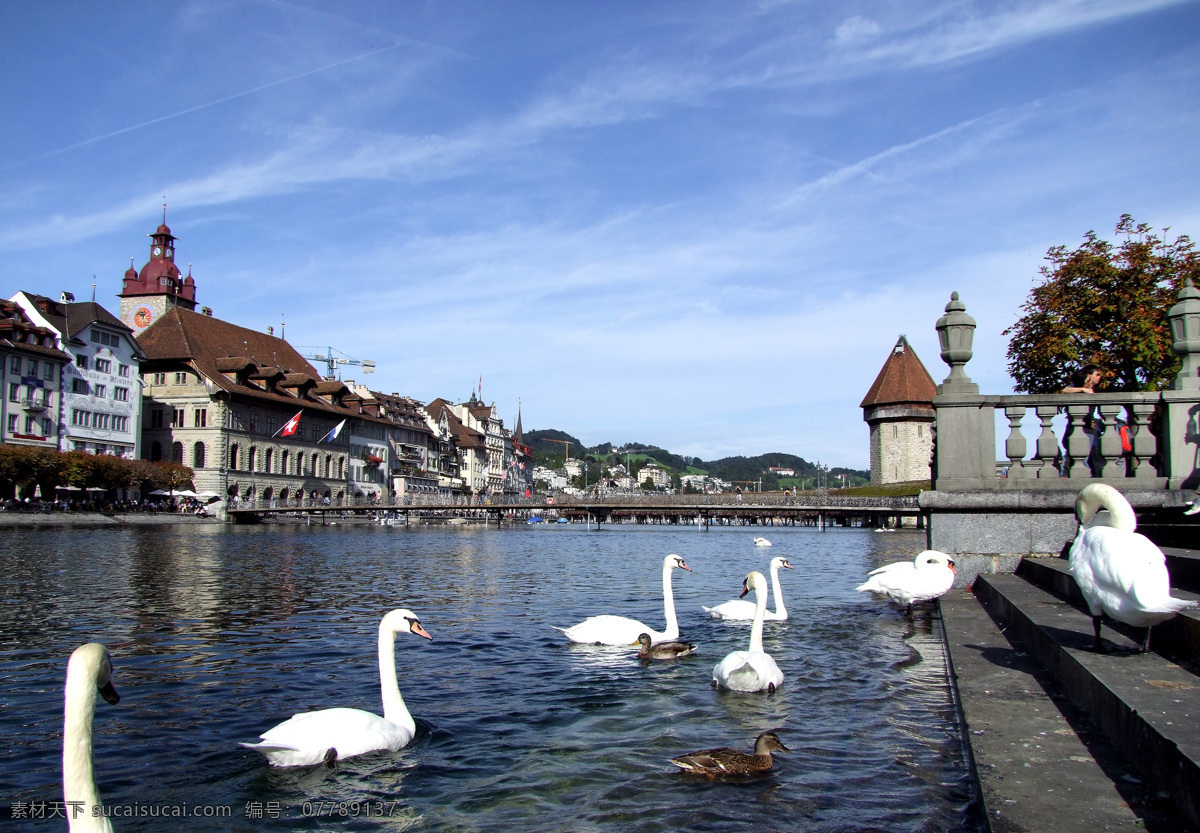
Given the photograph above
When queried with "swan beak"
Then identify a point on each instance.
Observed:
(109, 694)
(679, 563)
(788, 565)
(745, 589)
(952, 568)
(416, 628)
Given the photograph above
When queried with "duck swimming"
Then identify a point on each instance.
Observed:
(725, 761)
(662, 650)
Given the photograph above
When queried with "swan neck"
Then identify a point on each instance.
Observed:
(79, 784)
(760, 609)
(1120, 514)
(672, 630)
(780, 610)
(394, 710)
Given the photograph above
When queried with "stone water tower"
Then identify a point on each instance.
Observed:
(899, 410)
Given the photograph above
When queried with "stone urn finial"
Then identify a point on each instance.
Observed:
(956, 332)
(1184, 319)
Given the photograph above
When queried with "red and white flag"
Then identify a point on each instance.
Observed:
(291, 426)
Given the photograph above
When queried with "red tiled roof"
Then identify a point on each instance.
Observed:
(902, 379)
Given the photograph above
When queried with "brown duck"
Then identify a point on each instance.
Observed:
(724, 761)
(662, 650)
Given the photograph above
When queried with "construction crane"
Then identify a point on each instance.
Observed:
(333, 362)
(566, 449)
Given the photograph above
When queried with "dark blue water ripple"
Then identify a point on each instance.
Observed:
(219, 633)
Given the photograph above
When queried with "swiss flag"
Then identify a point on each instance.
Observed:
(290, 426)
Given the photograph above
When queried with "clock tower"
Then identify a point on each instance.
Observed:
(148, 294)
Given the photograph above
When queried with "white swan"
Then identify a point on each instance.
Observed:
(753, 669)
(621, 630)
(761, 542)
(923, 579)
(89, 670)
(1119, 571)
(742, 610)
(329, 734)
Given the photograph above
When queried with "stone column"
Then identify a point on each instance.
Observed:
(965, 439)
(1181, 434)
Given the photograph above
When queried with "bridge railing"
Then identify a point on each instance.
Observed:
(1132, 440)
(560, 500)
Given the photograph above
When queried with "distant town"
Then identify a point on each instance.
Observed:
(252, 419)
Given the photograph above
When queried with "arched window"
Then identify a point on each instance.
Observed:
(283, 464)
(252, 458)
(341, 468)
(233, 457)
(328, 465)
(177, 453)
(316, 464)
(198, 456)
(155, 452)
(268, 461)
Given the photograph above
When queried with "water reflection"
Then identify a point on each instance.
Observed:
(219, 634)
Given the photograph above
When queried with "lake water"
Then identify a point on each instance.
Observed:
(218, 633)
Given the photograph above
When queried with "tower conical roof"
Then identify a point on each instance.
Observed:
(902, 379)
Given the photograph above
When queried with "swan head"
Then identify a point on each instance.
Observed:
(769, 742)
(672, 561)
(402, 620)
(1096, 496)
(93, 658)
(933, 558)
(754, 579)
(779, 561)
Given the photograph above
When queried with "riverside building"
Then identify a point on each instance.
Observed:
(899, 410)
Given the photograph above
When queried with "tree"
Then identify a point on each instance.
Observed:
(1105, 306)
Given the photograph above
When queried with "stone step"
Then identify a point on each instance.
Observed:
(1038, 762)
(1177, 639)
(1145, 704)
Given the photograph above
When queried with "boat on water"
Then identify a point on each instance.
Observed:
(536, 520)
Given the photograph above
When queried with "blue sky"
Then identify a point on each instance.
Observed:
(694, 224)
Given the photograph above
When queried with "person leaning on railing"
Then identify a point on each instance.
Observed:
(1083, 381)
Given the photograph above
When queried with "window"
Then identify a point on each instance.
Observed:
(79, 386)
(47, 371)
(269, 460)
(121, 394)
(100, 421)
(47, 426)
(181, 378)
(95, 336)
(100, 391)
(252, 458)
(233, 457)
(177, 453)
(79, 417)
(177, 417)
(103, 365)
(159, 379)
(14, 392)
(156, 418)
(271, 425)
(12, 423)
(33, 368)
(253, 422)
(28, 425)
(81, 361)
(200, 418)
(920, 430)
(120, 423)
(198, 456)
(123, 370)
(14, 366)
(155, 452)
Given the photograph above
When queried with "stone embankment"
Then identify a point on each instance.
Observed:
(98, 519)
(1066, 739)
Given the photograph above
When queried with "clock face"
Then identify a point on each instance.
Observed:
(157, 251)
(142, 317)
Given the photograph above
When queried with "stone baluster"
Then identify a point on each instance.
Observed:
(1143, 441)
(1079, 444)
(1014, 446)
(1047, 443)
(1112, 460)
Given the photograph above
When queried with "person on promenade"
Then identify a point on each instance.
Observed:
(1084, 381)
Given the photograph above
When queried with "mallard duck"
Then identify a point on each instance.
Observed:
(662, 650)
(725, 761)
(1119, 571)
